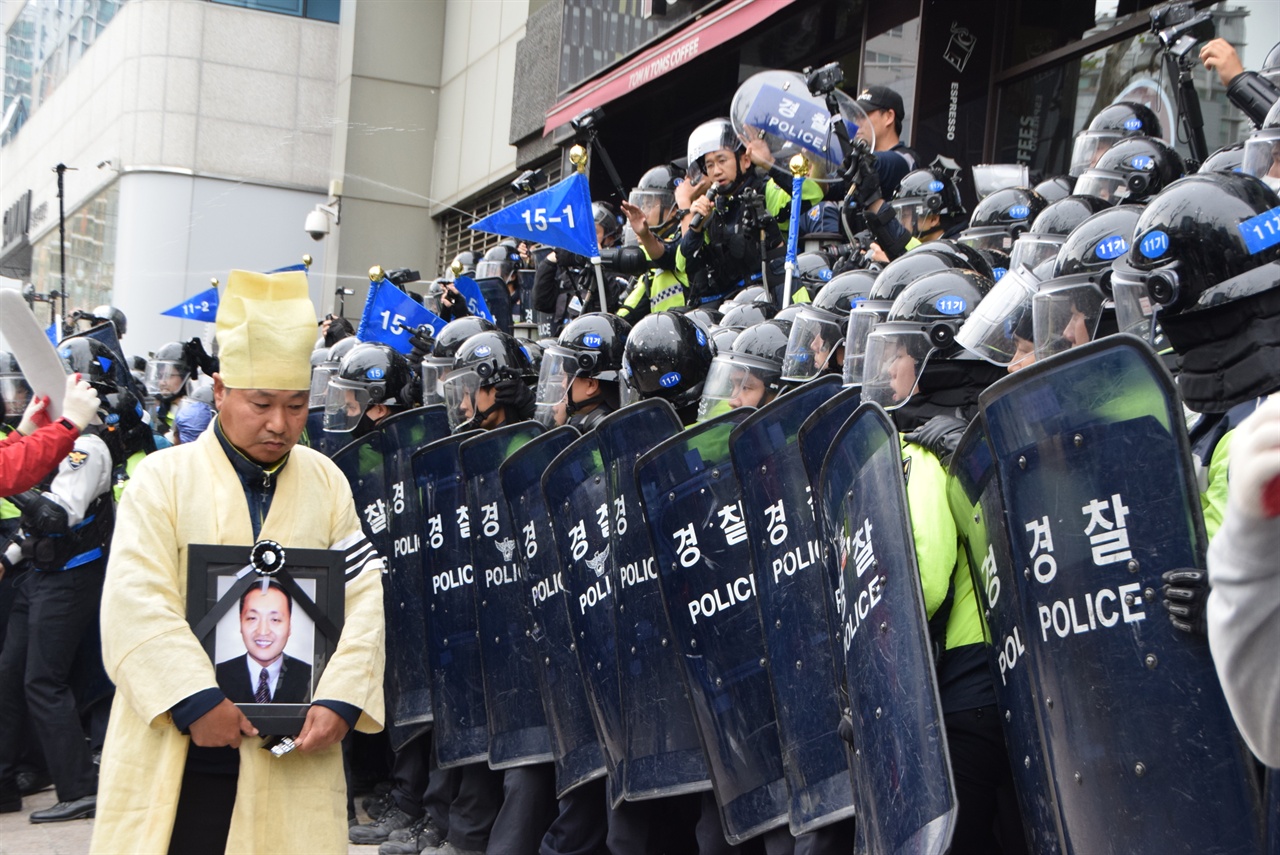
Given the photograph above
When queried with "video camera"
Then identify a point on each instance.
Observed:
(1179, 27)
(624, 260)
(823, 80)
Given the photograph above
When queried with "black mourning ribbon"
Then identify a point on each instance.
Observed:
(266, 562)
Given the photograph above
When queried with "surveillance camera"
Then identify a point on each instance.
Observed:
(317, 224)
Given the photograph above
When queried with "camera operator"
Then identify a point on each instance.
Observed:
(564, 285)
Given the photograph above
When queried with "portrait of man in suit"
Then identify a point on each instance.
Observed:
(265, 674)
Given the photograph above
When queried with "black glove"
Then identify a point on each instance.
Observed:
(423, 339)
(196, 353)
(516, 397)
(941, 435)
(1185, 592)
(866, 183)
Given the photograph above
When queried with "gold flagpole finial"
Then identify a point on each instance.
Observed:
(578, 157)
(376, 273)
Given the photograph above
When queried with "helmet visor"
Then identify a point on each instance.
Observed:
(814, 346)
(987, 238)
(1108, 186)
(1065, 317)
(166, 378)
(1088, 147)
(319, 383)
(1134, 307)
(655, 204)
(559, 367)
(345, 404)
(434, 370)
(462, 402)
(896, 356)
(16, 394)
(911, 213)
(1030, 251)
(857, 333)
(737, 380)
(493, 270)
(1262, 156)
(1000, 330)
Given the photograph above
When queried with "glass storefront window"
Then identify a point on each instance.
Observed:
(91, 253)
(1039, 115)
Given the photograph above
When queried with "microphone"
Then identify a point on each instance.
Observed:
(696, 222)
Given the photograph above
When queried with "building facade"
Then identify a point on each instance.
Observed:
(203, 132)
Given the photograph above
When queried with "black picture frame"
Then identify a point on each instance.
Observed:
(209, 563)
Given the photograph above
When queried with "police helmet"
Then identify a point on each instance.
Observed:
(117, 318)
(1045, 237)
(703, 317)
(1055, 187)
(1262, 150)
(1000, 218)
(589, 347)
(1132, 170)
(817, 338)
(1000, 328)
(748, 374)
(666, 356)
(463, 264)
(497, 263)
(813, 271)
(169, 372)
(750, 294)
(742, 315)
(920, 328)
(607, 219)
(712, 136)
(321, 373)
(655, 194)
(923, 192)
(371, 373)
(1229, 158)
(789, 312)
(1098, 241)
(1112, 124)
(1271, 65)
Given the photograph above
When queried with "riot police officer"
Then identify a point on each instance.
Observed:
(915, 368)
(488, 383)
(578, 382)
(667, 356)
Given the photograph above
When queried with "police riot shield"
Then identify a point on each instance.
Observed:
(517, 723)
(793, 596)
(663, 753)
(448, 577)
(578, 755)
(977, 506)
(814, 439)
(314, 436)
(693, 507)
(408, 679)
(903, 788)
(1100, 500)
(578, 500)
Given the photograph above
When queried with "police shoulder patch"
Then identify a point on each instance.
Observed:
(76, 459)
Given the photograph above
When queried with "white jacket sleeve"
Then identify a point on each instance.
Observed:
(1244, 627)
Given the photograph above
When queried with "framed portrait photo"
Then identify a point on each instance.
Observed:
(269, 619)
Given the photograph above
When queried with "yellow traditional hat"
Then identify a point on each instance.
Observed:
(266, 330)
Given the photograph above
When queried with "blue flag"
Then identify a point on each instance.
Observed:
(52, 333)
(559, 216)
(390, 315)
(470, 291)
(201, 307)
